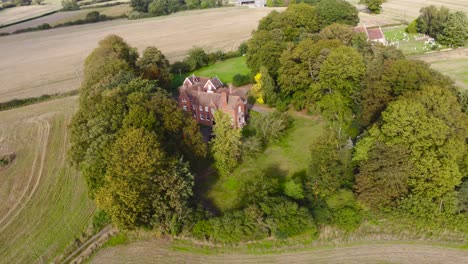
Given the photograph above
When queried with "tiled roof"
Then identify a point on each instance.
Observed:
(375, 33)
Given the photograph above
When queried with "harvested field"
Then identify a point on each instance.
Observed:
(43, 201)
(148, 252)
(50, 19)
(51, 61)
(400, 11)
(15, 14)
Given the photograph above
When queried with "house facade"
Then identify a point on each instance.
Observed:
(202, 96)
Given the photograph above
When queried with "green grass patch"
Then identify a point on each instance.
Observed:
(119, 239)
(225, 70)
(280, 160)
(408, 43)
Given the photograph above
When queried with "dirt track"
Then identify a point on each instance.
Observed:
(51, 61)
(155, 252)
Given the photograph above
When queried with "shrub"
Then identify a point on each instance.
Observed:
(44, 26)
(100, 220)
(282, 105)
(196, 59)
(412, 28)
(242, 48)
(92, 16)
(240, 80)
(294, 190)
(270, 126)
(180, 67)
(231, 54)
(69, 5)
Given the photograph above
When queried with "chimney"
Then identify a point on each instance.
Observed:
(224, 99)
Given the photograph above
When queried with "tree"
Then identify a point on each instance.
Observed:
(196, 59)
(226, 146)
(455, 30)
(69, 5)
(337, 11)
(383, 178)
(270, 126)
(264, 49)
(431, 20)
(342, 32)
(431, 125)
(140, 5)
(133, 161)
(268, 88)
(163, 7)
(39, 2)
(153, 65)
(374, 6)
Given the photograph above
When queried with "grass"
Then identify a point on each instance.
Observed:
(281, 160)
(110, 11)
(408, 43)
(55, 210)
(455, 68)
(225, 70)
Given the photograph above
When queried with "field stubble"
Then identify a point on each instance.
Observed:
(51, 61)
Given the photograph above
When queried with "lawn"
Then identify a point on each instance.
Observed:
(280, 160)
(455, 68)
(225, 70)
(408, 43)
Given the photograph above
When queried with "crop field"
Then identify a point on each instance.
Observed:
(149, 251)
(51, 61)
(15, 14)
(398, 11)
(43, 201)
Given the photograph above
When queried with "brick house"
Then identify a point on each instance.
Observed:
(201, 96)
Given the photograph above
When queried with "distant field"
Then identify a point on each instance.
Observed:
(15, 14)
(43, 202)
(280, 161)
(51, 61)
(452, 63)
(62, 17)
(160, 251)
(398, 11)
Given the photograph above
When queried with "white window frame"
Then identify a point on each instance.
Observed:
(184, 100)
(240, 111)
(200, 108)
(208, 117)
(206, 109)
(201, 117)
(194, 107)
(185, 107)
(212, 111)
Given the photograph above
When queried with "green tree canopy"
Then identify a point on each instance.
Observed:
(226, 146)
(153, 65)
(337, 11)
(264, 49)
(455, 30)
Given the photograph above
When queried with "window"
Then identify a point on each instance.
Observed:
(206, 108)
(195, 116)
(184, 100)
(201, 108)
(194, 107)
(240, 108)
(201, 117)
(185, 107)
(212, 111)
(207, 117)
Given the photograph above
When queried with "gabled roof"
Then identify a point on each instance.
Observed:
(375, 33)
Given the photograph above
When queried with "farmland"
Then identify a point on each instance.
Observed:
(12, 15)
(51, 61)
(43, 201)
(148, 251)
(452, 63)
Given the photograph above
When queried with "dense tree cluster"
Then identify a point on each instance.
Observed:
(448, 28)
(411, 153)
(130, 139)
(166, 7)
(374, 6)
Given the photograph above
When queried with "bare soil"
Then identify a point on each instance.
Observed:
(51, 61)
(159, 251)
